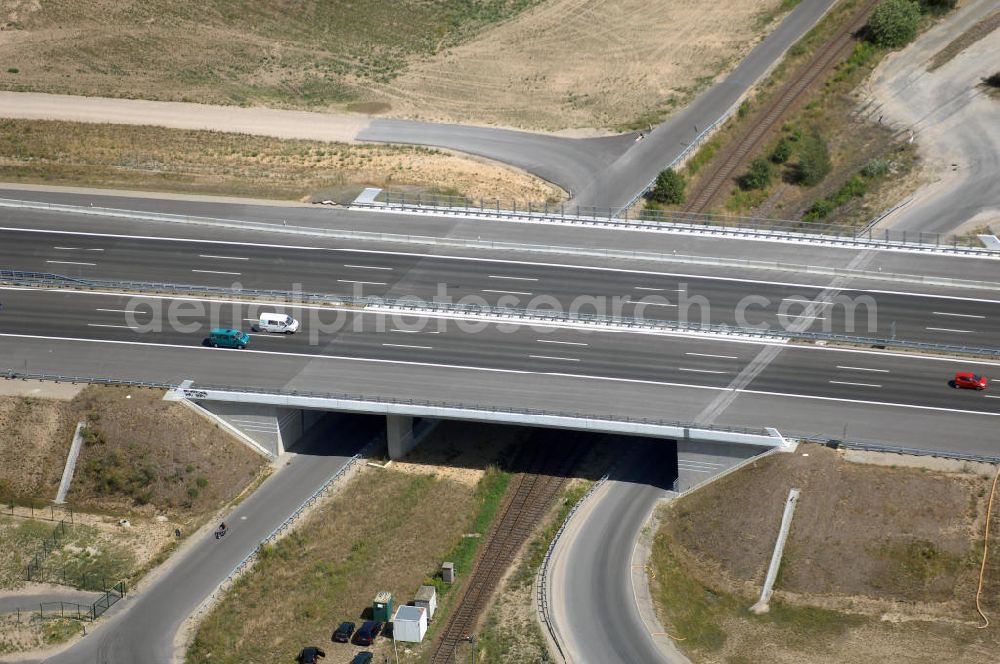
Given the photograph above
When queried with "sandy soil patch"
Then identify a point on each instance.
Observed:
(219, 162)
(41, 389)
(582, 63)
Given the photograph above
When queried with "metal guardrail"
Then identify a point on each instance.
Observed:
(695, 224)
(686, 222)
(505, 314)
(897, 449)
(541, 587)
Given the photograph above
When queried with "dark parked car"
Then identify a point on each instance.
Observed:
(363, 658)
(366, 635)
(343, 633)
(310, 655)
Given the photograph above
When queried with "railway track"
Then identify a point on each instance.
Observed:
(528, 499)
(835, 50)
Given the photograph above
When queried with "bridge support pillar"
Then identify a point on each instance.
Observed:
(399, 435)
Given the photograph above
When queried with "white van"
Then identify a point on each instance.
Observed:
(272, 322)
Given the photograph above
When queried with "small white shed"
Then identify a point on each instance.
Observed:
(427, 598)
(409, 624)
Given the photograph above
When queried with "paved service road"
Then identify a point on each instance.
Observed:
(145, 629)
(955, 124)
(593, 604)
(630, 173)
(602, 172)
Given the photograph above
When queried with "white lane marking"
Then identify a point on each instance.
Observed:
(70, 263)
(367, 267)
(269, 336)
(251, 320)
(802, 300)
(497, 276)
(505, 292)
(649, 289)
(565, 343)
(721, 357)
(125, 311)
(681, 466)
(409, 346)
(651, 304)
(409, 254)
(367, 283)
(415, 331)
(76, 249)
(217, 272)
(946, 329)
(991, 396)
(225, 258)
(844, 382)
(945, 313)
(839, 366)
(550, 357)
(636, 381)
(801, 316)
(708, 371)
(127, 327)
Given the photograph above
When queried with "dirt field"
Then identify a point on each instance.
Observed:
(203, 162)
(552, 64)
(881, 564)
(142, 455)
(631, 63)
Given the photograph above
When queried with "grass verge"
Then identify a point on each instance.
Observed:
(330, 568)
(217, 163)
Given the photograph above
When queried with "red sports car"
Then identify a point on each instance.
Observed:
(970, 381)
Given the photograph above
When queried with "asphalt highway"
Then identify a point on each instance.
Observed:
(702, 363)
(484, 237)
(519, 284)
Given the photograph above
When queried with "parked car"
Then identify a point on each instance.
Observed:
(222, 337)
(363, 658)
(970, 381)
(366, 635)
(310, 655)
(343, 633)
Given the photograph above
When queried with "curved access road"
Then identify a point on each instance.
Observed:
(601, 172)
(952, 120)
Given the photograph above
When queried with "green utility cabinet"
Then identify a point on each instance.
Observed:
(382, 606)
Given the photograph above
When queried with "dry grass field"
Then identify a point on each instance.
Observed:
(205, 162)
(544, 64)
(882, 564)
(141, 454)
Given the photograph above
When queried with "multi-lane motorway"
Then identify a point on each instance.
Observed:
(563, 367)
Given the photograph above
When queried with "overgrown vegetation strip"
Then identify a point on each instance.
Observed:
(766, 119)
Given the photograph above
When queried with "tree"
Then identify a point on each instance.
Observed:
(669, 188)
(814, 160)
(758, 175)
(993, 81)
(893, 23)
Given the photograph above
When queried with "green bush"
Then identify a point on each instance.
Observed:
(893, 23)
(814, 160)
(856, 187)
(669, 188)
(875, 168)
(821, 209)
(993, 81)
(758, 175)
(782, 151)
(743, 110)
